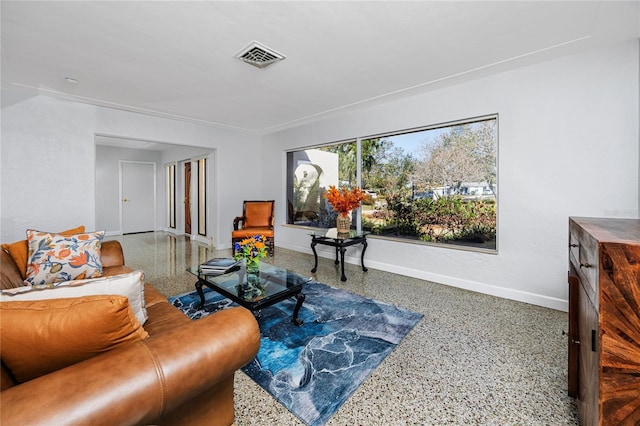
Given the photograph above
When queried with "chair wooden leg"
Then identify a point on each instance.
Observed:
(233, 247)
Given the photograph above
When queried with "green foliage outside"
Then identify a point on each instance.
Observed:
(441, 220)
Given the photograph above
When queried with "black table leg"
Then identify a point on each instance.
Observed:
(315, 256)
(300, 299)
(337, 261)
(342, 251)
(364, 247)
(200, 293)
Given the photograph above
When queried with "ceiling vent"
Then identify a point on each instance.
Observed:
(259, 55)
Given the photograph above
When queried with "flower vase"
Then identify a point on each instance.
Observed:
(253, 265)
(343, 223)
(253, 280)
(251, 288)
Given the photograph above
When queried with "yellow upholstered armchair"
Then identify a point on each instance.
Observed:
(256, 219)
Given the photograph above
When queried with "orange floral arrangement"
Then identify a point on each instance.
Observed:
(344, 200)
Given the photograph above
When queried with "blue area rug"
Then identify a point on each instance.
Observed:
(314, 368)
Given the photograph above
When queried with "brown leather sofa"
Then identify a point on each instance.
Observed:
(182, 374)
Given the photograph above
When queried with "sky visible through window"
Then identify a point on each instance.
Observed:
(413, 143)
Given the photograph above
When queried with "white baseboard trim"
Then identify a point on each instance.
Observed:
(201, 239)
(172, 231)
(479, 287)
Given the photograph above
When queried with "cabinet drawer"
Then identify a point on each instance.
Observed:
(574, 245)
(583, 254)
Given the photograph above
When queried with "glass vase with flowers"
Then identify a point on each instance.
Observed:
(251, 249)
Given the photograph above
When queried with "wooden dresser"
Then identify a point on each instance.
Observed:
(604, 319)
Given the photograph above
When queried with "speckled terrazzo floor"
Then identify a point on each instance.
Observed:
(473, 359)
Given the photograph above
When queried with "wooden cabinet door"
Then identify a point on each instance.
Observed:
(589, 360)
(574, 335)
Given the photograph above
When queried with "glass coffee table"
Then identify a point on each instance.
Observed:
(255, 291)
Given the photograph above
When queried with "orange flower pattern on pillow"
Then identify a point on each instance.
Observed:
(56, 258)
(79, 260)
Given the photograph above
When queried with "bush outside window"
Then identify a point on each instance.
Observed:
(436, 185)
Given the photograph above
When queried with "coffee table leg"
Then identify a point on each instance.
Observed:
(315, 256)
(200, 293)
(336, 262)
(364, 247)
(297, 321)
(342, 250)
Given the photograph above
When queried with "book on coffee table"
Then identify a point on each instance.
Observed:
(219, 266)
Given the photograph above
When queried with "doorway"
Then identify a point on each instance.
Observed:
(169, 215)
(138, 196)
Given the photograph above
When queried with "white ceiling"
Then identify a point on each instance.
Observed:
(177, 59)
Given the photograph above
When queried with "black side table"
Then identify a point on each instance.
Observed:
(331, 237)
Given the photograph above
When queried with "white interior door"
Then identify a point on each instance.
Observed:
(138, 196)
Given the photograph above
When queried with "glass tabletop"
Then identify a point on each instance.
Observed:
(271, 282)
(334, 234)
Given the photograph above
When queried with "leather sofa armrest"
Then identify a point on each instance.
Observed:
(236, 222)
(139, 382)
(111, 254)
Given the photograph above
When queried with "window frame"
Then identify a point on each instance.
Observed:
(442, 125)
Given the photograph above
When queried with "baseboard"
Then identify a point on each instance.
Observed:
(479, 287)
(172, 231)
(201, 239)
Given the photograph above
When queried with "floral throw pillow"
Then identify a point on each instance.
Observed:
(55, 257)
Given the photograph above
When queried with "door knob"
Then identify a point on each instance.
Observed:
(125, 200)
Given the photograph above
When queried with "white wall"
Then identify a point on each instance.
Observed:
(568, 145)
(47, 167)
(48, 160)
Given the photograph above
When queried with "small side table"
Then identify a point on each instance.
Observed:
(331, 237)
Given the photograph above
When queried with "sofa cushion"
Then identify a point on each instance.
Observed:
(19, 250)
(41, 336)
(10, 276)
(56, 257)
(130, 285)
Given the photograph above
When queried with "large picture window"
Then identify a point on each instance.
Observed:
(435, 185)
